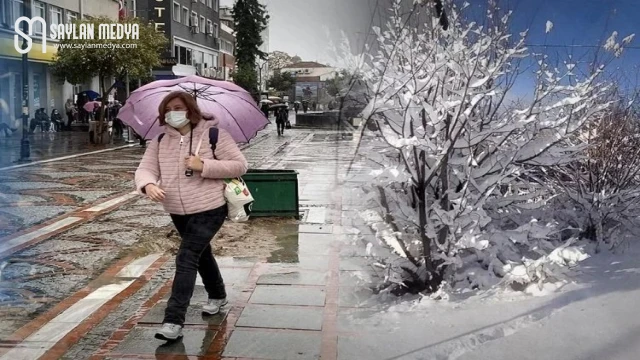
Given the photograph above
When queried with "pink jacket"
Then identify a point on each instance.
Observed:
(163, 164)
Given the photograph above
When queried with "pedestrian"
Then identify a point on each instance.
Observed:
(56, 120)
(191, 189)
(4, 116)
(71, 111)
(282, 116)
(296, 107)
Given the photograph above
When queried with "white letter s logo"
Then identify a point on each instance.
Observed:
(27, 37)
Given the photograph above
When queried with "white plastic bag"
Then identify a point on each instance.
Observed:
(239, 200)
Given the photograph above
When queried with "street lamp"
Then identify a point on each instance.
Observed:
(25, 146)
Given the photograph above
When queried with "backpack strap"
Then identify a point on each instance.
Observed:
(213, 139)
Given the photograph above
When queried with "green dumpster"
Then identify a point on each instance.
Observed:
(275, 192)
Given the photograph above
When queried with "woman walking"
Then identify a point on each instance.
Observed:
(180, 170)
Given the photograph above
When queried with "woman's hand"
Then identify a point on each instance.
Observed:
(154, 192)
(194, 163)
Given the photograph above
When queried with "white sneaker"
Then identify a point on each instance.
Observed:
(169, 332)
(213, 306)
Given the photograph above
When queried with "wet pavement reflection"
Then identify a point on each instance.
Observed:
(51, 145)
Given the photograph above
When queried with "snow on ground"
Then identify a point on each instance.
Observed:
(594, 317)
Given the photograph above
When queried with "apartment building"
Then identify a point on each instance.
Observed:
(46, 91)
(193, 29)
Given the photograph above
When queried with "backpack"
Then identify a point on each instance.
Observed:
(213, 139)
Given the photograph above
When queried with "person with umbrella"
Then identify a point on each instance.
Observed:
(282, 116)
(190, 185)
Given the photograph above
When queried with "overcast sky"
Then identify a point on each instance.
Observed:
(298, 26)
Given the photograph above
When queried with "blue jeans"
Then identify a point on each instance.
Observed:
(195, 256)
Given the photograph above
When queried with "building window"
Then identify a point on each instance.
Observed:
(194, 19)
(198, 57)
(210, 3)
(14, 11)
(39, 10)
(216, 5)
(56, 16)
(208, 61)
(226, 46)
(189, 57)
(176, 12)
(176, 53)
(185, 16)
(209, 26)
(203, 25)
(215, 30)
(71, 16)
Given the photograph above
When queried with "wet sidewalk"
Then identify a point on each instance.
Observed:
(286, 306)
(50, 145)
(289, 305)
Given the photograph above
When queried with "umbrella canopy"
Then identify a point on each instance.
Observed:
(278, 106)
(274, 98)
(266, 101)
(92, 95)
(235, 109)
(91, 105)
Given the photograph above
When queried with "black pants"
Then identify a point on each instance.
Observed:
(195, 256)
(69, 120)
(280, 125)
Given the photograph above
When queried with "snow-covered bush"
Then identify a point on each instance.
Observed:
(460, 163)
(604, 183)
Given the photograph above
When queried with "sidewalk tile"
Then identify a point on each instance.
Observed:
(294, 277)
(288, 295)
(274, 345)
(141, 341)
(280, 317)
(194, 315)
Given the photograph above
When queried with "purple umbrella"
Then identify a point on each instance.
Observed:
(235, 109)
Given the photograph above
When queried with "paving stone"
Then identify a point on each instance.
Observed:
(93, 259)
(89, 195)
(53, 245)
(128, 237)
(313, 262)
(96, 227)
(236, 262)
(194, 315)
(17, 269)
(274, 345)
(294, 277)
(315, 229)
(56, 286)
(152, 221)
(34, 185)
(235, 275)
(141, 341)
(281, 317)
(14, 198)
(107, 167)
(35, 214)
(315, 244)
(72, 174)
(288, 295)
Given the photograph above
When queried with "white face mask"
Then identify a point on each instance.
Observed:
(176, 119)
